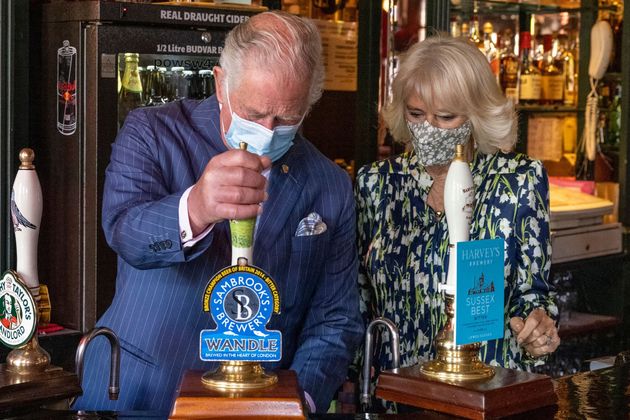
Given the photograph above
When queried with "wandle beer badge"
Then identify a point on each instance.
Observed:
(241, 300)
(18, 316)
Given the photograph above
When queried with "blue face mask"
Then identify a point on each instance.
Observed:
(260, 140)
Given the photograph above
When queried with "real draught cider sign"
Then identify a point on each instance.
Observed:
(241, 300)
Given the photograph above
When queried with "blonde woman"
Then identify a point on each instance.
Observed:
(445, 94)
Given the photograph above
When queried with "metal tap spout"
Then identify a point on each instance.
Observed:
(114, 370)
(367, 356)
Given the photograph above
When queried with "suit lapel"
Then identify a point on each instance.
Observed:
(286, 183)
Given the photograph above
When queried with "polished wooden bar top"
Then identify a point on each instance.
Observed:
(600, 394)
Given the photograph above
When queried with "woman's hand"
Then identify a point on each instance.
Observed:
(537, 334)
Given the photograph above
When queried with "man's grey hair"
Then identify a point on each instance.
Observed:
(286, 46)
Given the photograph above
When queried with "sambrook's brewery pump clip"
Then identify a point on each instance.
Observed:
(241, 299)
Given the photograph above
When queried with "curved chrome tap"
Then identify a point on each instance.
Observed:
(114, 370)
(367, 356)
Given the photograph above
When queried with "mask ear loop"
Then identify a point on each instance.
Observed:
(227, 95)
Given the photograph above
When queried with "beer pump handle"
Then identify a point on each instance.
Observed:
(26, 215)
(242, 234)
(459, 196)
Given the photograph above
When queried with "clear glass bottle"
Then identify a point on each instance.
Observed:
(130, 96)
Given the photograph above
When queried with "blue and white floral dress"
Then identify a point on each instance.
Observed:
(403, 246)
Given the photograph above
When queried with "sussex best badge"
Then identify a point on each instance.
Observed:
(480, 314)
(18, 316)
(241, 300)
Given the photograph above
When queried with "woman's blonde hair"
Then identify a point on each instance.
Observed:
(452, 74)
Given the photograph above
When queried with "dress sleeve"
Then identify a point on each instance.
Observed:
(365, 184)
(533, 245)
(365, 223)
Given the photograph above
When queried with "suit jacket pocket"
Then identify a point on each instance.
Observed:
(308, 258)
(137, 354)
(310, 245)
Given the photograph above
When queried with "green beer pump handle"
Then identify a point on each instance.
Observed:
(242, 231)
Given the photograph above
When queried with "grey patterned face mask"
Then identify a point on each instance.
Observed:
(436, 146)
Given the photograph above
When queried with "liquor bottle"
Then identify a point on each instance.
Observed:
(566, 62)
(455, 27)
(552, 78)
(613, 135)
(508, 74)
(475, 34)
(529, 76)
(130, 96)
(616, 22)
(465, 30)
(537, 54)
(350, 12)
(490, 50)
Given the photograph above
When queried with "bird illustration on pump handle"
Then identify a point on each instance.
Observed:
(17, 217)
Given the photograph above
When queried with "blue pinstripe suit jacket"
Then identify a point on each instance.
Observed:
(157, 311)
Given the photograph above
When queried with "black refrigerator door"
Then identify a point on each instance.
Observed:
(81, 268)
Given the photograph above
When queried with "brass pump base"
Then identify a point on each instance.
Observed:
(234, 375)
(456, 372)
(29, 359)
(453, 362)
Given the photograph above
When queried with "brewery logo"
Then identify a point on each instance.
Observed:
(17, 311)
(241, 300)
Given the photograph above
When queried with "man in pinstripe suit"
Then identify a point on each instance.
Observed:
(174, 179)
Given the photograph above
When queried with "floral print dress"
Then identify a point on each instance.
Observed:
(403, 247)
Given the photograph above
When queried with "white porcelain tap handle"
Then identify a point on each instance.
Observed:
(26, 215)
(459, 197)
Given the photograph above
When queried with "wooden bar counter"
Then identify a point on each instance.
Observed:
(600, 394)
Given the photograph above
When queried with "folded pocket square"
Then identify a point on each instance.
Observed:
(311, 225)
